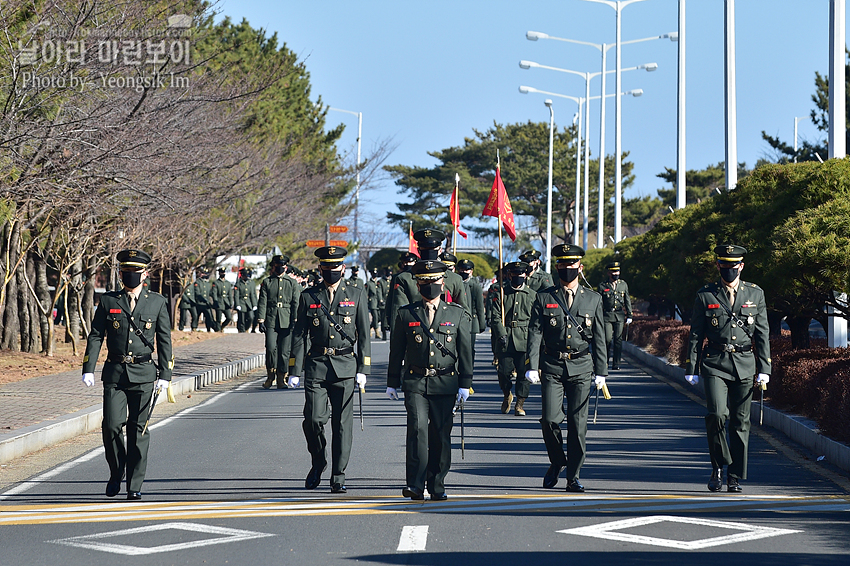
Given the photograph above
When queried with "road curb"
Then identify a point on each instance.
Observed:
(801, 430)
(47, 433)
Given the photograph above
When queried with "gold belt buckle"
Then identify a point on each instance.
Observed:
(126, 359)
(329, 351)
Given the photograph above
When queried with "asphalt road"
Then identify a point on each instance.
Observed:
(225, 485)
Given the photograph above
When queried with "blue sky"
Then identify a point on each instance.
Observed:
(427, 73)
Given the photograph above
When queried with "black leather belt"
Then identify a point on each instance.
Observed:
(333, 351)
(430, 372)
(128, 359)
(561, 355)
(518, 323)
(718, 347)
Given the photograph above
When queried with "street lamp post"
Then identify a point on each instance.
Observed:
(548, 103)
(603, 48)
(649, 67)
(357, 190)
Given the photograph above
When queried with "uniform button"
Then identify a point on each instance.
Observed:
(332, 313)
(734, 338)
(432, 341)
(432, 353)
(569, 326)
(130, 341)
(569, 336)
(332, 337)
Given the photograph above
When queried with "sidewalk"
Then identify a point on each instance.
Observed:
(46, 410)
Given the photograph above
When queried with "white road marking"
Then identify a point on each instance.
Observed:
(94, 542)
(607, 531)
(413, 538)
(29, 484)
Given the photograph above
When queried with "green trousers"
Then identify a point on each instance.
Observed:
(331, 399)
(127, 404)
(429, 440)
(728, 398)
(614, 340)
(508, 363)
(278, 349)
(576, 390)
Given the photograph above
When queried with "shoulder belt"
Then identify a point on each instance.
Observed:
(440, 346)
(738, 322)
(334, 323)
(141, 336)
(570, 315)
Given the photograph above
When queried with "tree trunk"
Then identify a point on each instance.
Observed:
(774, 320)
(11, 320)
(88, 296)
(799, 326)
(4, 233)
(43, 293)
(27, 308)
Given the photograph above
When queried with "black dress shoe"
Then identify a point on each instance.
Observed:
(134, 495)
(439, 496)
(338, 488)
(414, 493)
(716, 481)
(113, 487)
(550, 480)
(575, 486)
(314, 478)
(616, 367)
(733, 485)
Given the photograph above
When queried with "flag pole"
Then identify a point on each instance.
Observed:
(499, 278)
(455, 221)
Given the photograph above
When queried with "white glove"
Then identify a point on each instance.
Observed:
(533, 376)
(255, 308)
(392, 394)
(161, 385)
(88, 379)
(599, 381)
(629, 320)
(360, 378)
(293, 381)
(462, 394)
(763, 378)
(238, 308)
(692, 379)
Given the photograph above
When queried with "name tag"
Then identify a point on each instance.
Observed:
(551, 306)
(114, 311)
(714, 306)
(412, 324)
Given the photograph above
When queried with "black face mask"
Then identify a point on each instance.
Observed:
(430, 290)
(331, 276)
(729, 273)
(131, 279)
(567, 274)
(464, 275)
(615, 276)
(517, 281)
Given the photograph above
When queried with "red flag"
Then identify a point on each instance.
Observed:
(499, 205)
(411, 246)
(454, 212)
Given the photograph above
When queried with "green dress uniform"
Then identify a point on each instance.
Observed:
(222, 301)
(383, 294)
(372, 298)
(728, 364)
(201, 290)
(328, 363)
(188, 312)
(567, 361)
(616, 308)
(277, 308)
(539, 280)
(245, 303)
(475, 298)
(512, 343)
(129, 373)
(430, 380)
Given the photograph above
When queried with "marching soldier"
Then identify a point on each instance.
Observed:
(222, 300)
(567, 321)
(732, 314)
(188, 312)
(201, 289)
(476, 299)
(332, 351)
(512, 335)
(432, 340)
(372, 296)
(617, 311)
(493, 295)
(276, 311)
(407, 292)
(383, 284)
(245, 300)
(129, 375)
(400, 281)
(537, 279)
(355, 280)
